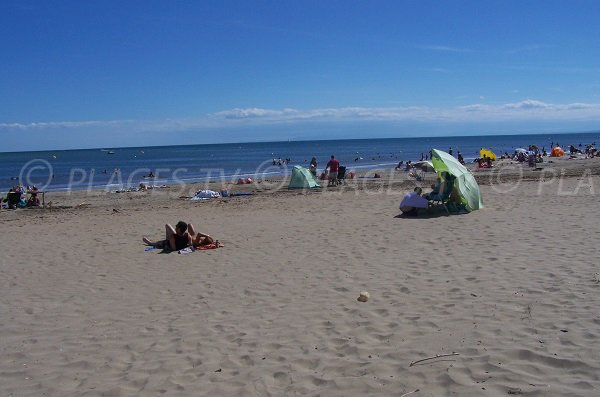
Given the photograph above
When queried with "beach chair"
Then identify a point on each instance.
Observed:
(341, 176)
(441, 199)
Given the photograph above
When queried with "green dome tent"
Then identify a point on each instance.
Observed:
(467, 186)
(302, 179)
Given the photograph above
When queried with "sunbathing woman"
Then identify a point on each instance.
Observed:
(200, 239)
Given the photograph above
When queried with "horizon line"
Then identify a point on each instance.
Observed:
(306, 140)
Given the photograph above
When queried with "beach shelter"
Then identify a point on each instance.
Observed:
(557, 152)
(487, 153)
(425, 166)
(302, 179)
(465, 182)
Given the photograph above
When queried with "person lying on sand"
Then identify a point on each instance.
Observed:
(180, 237)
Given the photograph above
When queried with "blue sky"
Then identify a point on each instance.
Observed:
(127, 73)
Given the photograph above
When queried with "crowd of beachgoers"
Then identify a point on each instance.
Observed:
(28, 196)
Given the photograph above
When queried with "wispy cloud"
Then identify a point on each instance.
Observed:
(66, 124)
(527, 48)
(529, 109)
(526, 110)
(443, 48)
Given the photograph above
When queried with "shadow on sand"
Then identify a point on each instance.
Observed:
(428, 214)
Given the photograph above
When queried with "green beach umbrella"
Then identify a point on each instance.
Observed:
(468, 188)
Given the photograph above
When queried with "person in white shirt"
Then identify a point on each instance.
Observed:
(413, 201)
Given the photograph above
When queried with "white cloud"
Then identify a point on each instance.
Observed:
(527, 104)
(64, 124)
(526, 110)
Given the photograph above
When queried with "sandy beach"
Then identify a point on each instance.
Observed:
(512, 289)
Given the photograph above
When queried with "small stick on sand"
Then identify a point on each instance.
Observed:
(410, 392)
(434, 357)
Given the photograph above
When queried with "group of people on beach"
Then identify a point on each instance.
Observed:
(441, 191)
(279, 161)
(330, 172)
(20, 197)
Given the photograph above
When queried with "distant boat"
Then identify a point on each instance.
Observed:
(110, 152)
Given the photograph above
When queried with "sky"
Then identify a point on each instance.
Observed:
(81, 74)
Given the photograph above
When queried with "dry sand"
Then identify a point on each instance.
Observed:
(513, 289)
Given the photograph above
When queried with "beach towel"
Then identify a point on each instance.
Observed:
(210, 246)
(205, 195)
(187, 250)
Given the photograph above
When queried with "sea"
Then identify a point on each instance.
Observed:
(121, 168)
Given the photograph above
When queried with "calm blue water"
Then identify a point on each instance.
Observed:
(95, 168)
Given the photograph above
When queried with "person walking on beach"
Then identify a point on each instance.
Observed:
(333, 165)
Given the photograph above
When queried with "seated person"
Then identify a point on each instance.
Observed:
(442, 190)
(13, 197)
(412, 202)
(176, 238)
(183, 236)
(34, 200)
(455, 203)
(435, 189)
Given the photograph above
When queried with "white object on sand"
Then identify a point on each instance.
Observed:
(364, 296)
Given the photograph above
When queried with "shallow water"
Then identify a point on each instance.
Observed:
(123, 167)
